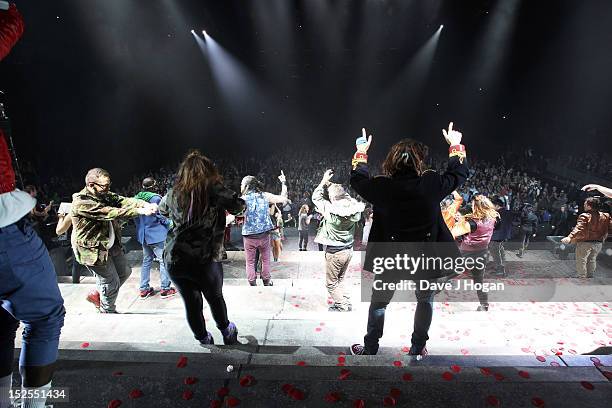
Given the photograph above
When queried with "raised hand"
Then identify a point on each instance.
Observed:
(329, 173)
(282, 177)
(363, 143)
(452, 137)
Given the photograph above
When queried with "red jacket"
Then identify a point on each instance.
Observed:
(11, 29)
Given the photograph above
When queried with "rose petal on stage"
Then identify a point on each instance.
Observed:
(287, 388)
(499, 377)
(114, 403)
(447, 376)
(537, 402)
(485, 371)
(524, 374)
(587, 385)
(118, 373)
(84, 345)
(555, 364)
(526, 350)
(344, 374)
(359, 403)
(223, 392)
(492, 401)
(318, 329)
(397, 363)
(541, 358)
(455, 368)
(247, 381)
(395, 393)
(301, 363)
(389, 401)
(215, 404)
(182, 362)
(342, 359)
(135, 393)
(465, 352)
(406, 349)
(407, 377)
(297, 395)
(190, 380)
(187, 395)
(332, 397)
(233, 401)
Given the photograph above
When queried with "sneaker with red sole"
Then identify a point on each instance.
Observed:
(167, 293)
(146, 293)
(94, 297)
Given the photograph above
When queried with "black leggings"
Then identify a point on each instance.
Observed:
(303, 240)
(194, 280)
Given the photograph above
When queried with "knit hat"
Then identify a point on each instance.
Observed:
(7, 174)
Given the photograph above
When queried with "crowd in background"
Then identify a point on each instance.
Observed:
(517, 179)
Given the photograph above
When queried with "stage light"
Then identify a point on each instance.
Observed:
(192, 31)
(441, 26)
(204, 32)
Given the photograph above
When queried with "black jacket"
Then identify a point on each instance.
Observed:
(503, 229)
(407, 206)
(200, 241)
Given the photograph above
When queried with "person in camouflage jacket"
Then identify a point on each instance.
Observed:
(96, 237)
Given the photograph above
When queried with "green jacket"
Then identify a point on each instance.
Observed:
(337, 228)
(92, 220)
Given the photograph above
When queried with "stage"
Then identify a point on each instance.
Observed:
(289, 336)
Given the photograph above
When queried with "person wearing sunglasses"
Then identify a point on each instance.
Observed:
(97, 235)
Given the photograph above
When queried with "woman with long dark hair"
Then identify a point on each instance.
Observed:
(406, 201)
(196, 204)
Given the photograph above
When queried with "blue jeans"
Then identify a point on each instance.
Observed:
(150, 252)
(28, 293)
(422, 321)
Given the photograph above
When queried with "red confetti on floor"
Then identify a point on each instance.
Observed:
(187, 395)
(344, 374)
(297, 395)
(84, 345)
(395, 393)
(233, 402)
(190, 380)
(407, 377)
(136, 393)
(406, 349)
(247, 381)
(537, 402)
(223, 392)
(499, 377)
(397, 363)
(492, 401)
(447, 376)
(485, 371)
(118, 373)
(182, 362)
(341, 359)
(541, 358)
(465, 352)
(332, 397)
(587, 385)
(524, 374)
(301, 363)
(318, 329)
(455, 368)
(114, 404)
(215, 404)
(359, 403)
(389, 401)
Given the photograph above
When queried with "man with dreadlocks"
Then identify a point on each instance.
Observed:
(406, 203)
